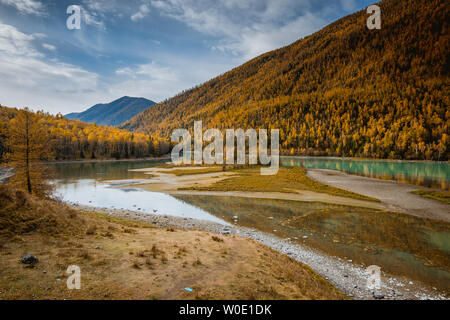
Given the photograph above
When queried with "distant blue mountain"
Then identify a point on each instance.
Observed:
(113, 113)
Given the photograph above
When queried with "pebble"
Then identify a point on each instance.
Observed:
(29, 259)
(329, 267)
(378, 296)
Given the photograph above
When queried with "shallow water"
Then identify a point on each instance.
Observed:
(400, 244)
(422, 173)
(98, 184)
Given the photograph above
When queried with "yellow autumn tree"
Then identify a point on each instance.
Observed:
(28, 145)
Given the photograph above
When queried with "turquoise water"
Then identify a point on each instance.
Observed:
(422, 173)
(400, 244)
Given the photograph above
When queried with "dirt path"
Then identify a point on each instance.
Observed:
(181, 283)
(395, 196)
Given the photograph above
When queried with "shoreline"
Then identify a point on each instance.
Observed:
(350, 278)
(404, 200)
(164, 180)
(366, 159)
(165, 157)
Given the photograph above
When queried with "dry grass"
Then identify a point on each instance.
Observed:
(443, 196)
(286, 180)
(149, 263)
(217, 239)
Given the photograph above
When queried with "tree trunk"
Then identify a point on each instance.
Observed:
(27, 169)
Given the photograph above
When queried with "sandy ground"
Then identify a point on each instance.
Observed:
(166, 182)
(170, 183)
(299, 195)
(394, 196)
(344, 274)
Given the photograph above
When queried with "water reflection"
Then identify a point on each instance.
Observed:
(91, 193)
(423, 173)
(111, 170)
(400, 244)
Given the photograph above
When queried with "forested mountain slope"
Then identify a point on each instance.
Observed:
(345, 90)
(76, 140)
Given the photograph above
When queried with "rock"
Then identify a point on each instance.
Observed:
(235, 217)
(305, 237)
(29, 259)
(345, 275)
(271, 218)
(44, 271)
(378, 295)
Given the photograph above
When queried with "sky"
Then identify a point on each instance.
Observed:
(144, 48)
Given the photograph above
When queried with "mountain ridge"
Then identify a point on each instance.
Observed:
(113, 113)
(342, 91)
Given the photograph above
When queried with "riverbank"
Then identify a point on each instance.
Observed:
(343, 274)
(395, 196)
(124, 258)
(165, 157)
(347, 189)
(361, 159)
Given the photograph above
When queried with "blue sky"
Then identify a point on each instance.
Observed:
(147, 48)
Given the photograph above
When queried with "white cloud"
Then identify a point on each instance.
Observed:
(143, 11)
(13, 42)
(150, 80)
(91, 18)
(28, 78)
(26, 6)
(49, 46)
(246, 28)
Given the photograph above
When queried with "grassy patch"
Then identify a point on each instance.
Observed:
(443, 196)
(148, 263)
(286, 180)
